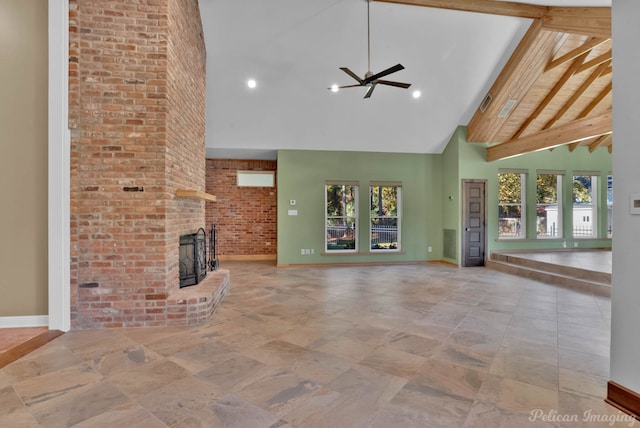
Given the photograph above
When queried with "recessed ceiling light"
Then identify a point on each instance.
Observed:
(251, 83)
(334, 88)
(416, 94)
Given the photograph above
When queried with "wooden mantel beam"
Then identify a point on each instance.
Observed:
(577, 130)
(591, 21)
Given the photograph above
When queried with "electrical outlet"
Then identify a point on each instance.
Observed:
(575, 245)
(430, 249)
(313, 251)
(302, 251)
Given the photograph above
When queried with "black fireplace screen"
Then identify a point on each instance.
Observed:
(193, 258)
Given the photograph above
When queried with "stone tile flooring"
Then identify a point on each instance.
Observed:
(376, 346)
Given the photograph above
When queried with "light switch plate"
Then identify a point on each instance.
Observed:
(634, 203)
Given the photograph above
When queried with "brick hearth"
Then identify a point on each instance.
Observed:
(197, 303)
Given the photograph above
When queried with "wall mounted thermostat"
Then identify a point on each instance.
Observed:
(634, 203)
(292, 202)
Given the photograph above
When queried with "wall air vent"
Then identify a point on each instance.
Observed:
(485, 102)
(507, 108)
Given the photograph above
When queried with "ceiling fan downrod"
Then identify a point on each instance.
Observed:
(370, 80)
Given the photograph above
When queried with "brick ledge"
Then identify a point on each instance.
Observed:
(197, 303)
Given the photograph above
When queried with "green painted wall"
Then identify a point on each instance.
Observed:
(472, 165)
(451, 189)
(302, 175)
(431, 198)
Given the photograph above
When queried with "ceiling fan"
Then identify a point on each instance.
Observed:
(370, 80)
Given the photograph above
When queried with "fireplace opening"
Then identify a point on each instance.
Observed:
(193, 258)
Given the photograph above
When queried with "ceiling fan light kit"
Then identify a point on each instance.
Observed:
(370, 80)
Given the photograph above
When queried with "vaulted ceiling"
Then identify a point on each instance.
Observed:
(556, 87)
(523, 77)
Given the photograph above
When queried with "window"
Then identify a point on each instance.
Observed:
(609, 206)
(511, 205)
(255, 178)
(384, 230)
(341, 214)
(549, 205)
(584, 206)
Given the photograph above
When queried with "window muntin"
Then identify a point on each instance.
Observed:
(385, 218)
(341, 209)
(511, 205)
(584, 206)
(549, 206)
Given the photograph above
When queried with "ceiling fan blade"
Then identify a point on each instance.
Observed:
(347, 86)
(370, 90)
(352, 74)
(389, 70)
(396, 84)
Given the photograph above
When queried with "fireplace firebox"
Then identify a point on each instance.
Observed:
(193, 258)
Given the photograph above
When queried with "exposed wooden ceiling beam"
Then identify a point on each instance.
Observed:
(573, 146)
(516, 78)
(552, 93)
(595, 61)
(577, 130)
(594, 103)
(590, 21)
(576, 95)
(598, 142)
(586, 47)
(520, 10)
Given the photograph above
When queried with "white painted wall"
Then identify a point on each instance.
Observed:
(625, 297)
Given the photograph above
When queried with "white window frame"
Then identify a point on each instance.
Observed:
(397, 217)
(255, 178)
(593, 213)
(522, 232)
(559, 180)
(330, 231)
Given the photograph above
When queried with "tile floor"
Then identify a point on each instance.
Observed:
(387, 346)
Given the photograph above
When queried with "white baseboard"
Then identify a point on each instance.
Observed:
(25, 321)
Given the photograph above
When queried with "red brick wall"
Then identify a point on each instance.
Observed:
(186, 121)
(137, 130)
(246, 216)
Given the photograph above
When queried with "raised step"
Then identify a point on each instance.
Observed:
(595, 282)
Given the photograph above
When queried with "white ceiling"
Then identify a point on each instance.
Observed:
(294, 48)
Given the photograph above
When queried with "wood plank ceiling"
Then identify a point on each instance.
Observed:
(555, 89)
